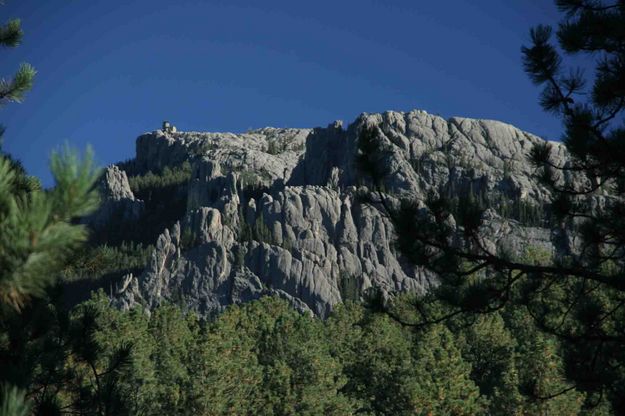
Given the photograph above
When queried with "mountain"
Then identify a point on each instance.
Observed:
(280, 211)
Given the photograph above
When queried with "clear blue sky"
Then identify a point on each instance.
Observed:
(110, 70)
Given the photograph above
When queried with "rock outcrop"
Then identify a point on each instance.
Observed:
(277, 211)
(118, 202)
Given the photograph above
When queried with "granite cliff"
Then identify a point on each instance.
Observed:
(277, 211)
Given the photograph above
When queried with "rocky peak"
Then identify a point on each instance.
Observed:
(276, 211)
(118, 202)
(114, 185)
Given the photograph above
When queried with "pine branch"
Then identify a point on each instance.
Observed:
(36, 236)
(22, 82)
(13, 402)
(11, 34)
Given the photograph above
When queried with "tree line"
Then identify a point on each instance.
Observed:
(500, 335)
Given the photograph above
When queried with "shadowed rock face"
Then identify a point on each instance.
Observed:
(276, 211)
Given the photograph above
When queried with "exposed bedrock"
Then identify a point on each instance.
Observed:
(276, 211)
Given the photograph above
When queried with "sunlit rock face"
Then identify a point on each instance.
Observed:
(118, 202)
(277, 211)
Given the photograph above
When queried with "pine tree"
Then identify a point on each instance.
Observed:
(37, 232)
(13, 90)
(377, 359)
(587, 199)
(443, 386)
(265, 358)
(490, 349)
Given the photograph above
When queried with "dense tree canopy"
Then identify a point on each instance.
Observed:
(265, 358)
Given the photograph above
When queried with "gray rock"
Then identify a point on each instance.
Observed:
(118, 202)
(276, 211)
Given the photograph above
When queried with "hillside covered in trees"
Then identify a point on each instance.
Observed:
(405, 264)
(212, 343)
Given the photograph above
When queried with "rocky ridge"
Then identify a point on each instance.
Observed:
(277, 211)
